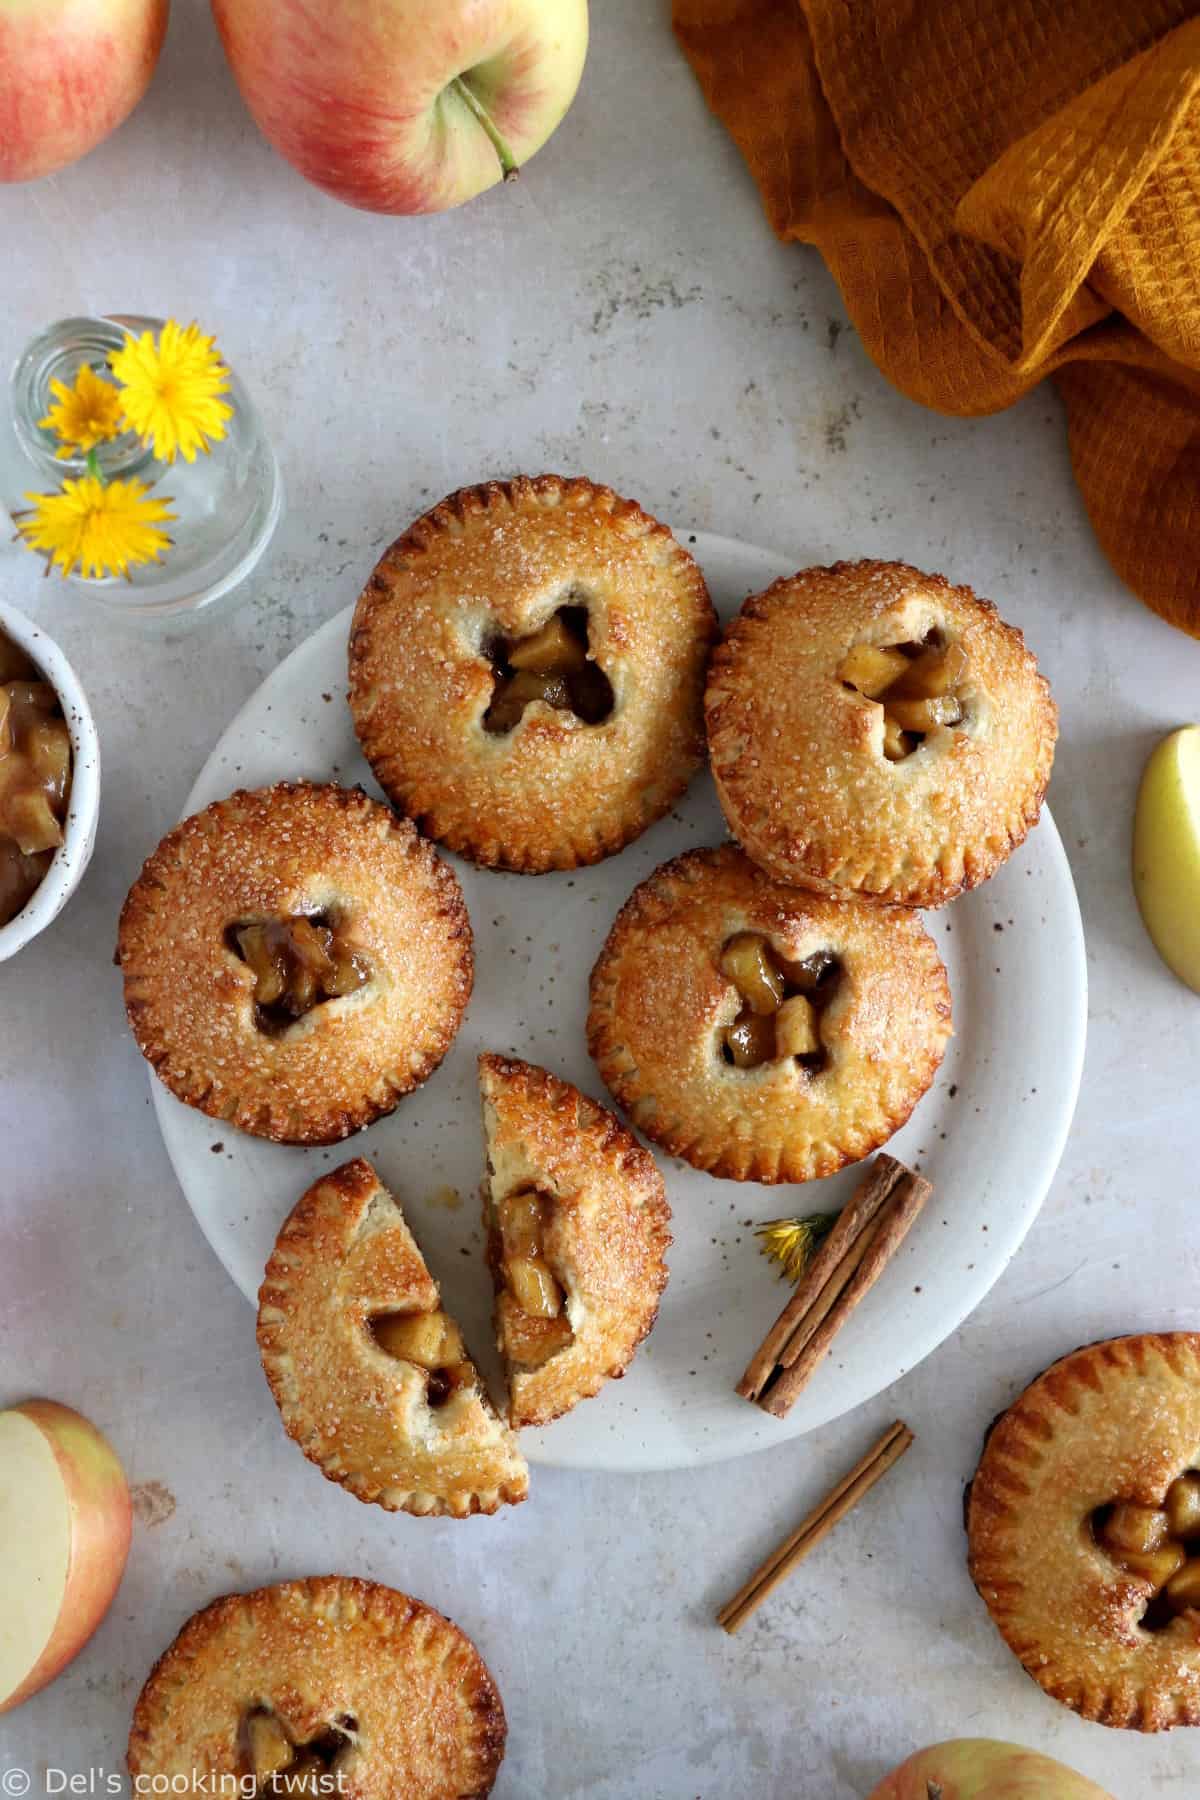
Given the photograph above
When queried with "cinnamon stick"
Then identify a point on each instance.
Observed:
(861, 1244)
(816, 1525)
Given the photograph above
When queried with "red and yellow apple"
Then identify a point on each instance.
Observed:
(405, 106)
(984, 1769)
(70, 72)
(65, 1521)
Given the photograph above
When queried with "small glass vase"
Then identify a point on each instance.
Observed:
(227, 502)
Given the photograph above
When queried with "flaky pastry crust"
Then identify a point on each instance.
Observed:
(344, 1255)
(1118, 1420)
(497, 561)
(797, 755)
(420, 1710)
(659, 1006)
(608, 1235)
(288, 850)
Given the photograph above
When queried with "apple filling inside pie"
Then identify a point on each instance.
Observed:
(297, 963)
(279, 1765)
(35, 777)
(782, 1003)
(1159, 1543)
(552, 664)
(430, 1341)
(532, 1315)
(918, 685)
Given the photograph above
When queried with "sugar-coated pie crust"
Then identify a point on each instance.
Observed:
(845, 767)
(410, 1425)
(578, 1224)
(374, 1693)
(591, 732)
(240, 894)
(854, 1002)
(1108, 1436)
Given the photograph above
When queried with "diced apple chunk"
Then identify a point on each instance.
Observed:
(533, 1287)
(270, 1748)
(924, 715)
(1182, 1506)
(1133, 1527)
(872, 668)
(551, 651)
(522, 1219)
(749, 964)
(429, 1339)
(1183, 1589)
(751, 1039)
(796, 1028)
(938, 670)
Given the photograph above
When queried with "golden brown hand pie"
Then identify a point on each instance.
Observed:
(577, 1220)
(761, 1032)
(329, 1685)
(527, 672)
(875, 732)
(1083, 1522)
(295, 959)
(370, 1374)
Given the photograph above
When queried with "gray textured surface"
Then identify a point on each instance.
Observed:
(624, 312)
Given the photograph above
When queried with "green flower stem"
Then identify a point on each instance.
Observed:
(92, 464)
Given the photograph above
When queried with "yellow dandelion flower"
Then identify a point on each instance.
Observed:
(83, 415)
(96, 528)
(170, 388)
(791, 1242)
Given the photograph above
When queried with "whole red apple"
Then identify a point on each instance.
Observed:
(984, 1769)
(70, 72)
(405, 106)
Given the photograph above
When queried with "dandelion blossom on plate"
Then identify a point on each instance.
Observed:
(95, 528)
(83, 415)
(170, 390)
(791, 1242)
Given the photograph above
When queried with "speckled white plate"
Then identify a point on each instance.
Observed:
(989, 1134)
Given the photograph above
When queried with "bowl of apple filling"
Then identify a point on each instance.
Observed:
(49, 781)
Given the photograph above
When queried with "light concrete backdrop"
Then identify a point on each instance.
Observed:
(623, 312)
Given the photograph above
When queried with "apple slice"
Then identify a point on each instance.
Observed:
(1166, 852)
(65, 1507)
(984, 1769)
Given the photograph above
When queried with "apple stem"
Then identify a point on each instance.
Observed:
(508, 162)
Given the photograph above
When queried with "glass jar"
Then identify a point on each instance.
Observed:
(227, 502)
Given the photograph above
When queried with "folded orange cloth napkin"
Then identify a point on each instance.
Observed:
(1003, 189)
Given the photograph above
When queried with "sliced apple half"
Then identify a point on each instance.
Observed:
(1166, 852)
(65, 1522)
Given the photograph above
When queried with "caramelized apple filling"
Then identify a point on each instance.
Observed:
(430, 1341)
(280, 1766)
(551, 665)
(1159, 1543)
(35, 777)
(297, 963)
(782, 1002)
(919, 687)
(533, 1321)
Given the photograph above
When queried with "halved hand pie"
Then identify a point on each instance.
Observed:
(326, 1686)
(761, 1032)
(1083, 1522)
(527, 672)
(370, 1375)
(877, 733)
(577, 1222)
(295, 960)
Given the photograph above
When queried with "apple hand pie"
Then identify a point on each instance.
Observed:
(876, 733)
(326, 1686)
(296, 959)
(1083, 1525)
(761, 1032)
(370, 1374)
(527, 672)
(577, 1221)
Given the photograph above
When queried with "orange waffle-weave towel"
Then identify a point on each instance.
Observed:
(1003, 189)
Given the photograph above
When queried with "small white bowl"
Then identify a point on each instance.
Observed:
(83, 812)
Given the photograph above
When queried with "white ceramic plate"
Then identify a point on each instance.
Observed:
(989, 1134)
